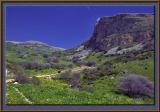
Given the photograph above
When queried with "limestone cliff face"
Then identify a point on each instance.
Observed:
(122, 30)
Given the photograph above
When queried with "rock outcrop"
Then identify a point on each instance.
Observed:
(122, 30)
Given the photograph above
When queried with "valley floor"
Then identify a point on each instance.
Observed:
(101, 91)
(57, 92)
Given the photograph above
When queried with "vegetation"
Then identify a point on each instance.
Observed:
(136, 86)
(58, 92)
(52, 78)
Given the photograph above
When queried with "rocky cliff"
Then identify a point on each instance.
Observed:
(123, 30)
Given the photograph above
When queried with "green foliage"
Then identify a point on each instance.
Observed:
(96, 87)
(58, 92)
(98, 57)
(41, 72)
(143, 67)
(12, 97)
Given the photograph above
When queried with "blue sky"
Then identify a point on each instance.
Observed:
(60, 26)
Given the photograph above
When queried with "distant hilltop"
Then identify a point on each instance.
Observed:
(35, 44)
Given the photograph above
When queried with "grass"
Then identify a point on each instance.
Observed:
(58, 92)
(104, 90)
(12, 56)
(63, 62)
(99, 58)
(143, 67)
(12, 97)
(41, 72)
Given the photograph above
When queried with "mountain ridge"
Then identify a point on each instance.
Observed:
(33, 42)
(121, 29)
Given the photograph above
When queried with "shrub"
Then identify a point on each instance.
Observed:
(94, 71)
(57, 66)
(108, 65)
(76, 76)
(53, 59)
(45, 55)
(21, 54)
(80, 62)
(20, 76)
(59, 71)
(107, 69)
(35, 80)
(45, 65)
(134, 86)
(30, 65)
(86, 63)
(90, 63)
(22, 79)
(34, 65)
(74, 83)
(90, 71)
(90, 74)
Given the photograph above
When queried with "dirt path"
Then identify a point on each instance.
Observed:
(23, 96)
(74, 70)
(82, 68)
(77, 69)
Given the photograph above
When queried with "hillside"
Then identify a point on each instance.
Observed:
(115, 66)
(34, 46)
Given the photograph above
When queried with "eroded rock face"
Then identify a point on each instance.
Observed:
(120, 30)
(80, 54)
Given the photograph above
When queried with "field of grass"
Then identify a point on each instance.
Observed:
(99, 58)
(48, 71)
(103, 91)
(12, 97)
(143, 67)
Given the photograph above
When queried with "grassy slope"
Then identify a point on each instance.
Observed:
(12, 97)
(98, 58)
(104, 89)
(41, 72)
(141, 67)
